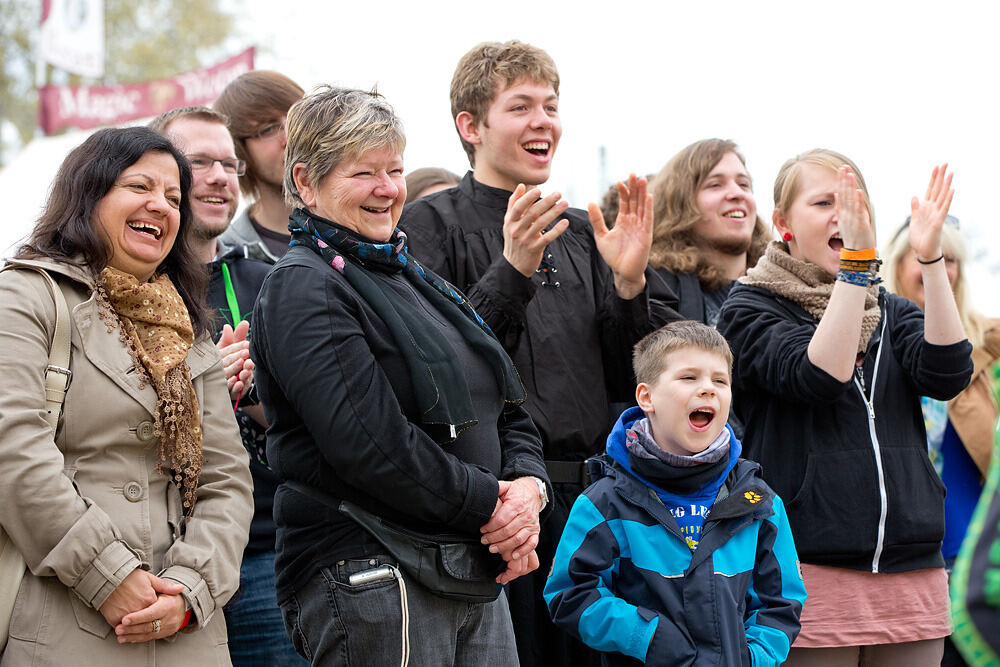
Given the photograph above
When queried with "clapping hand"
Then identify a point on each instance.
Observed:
(235, 350)
(524, 227)
(853, 220)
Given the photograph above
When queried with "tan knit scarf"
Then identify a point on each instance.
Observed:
(808, 285)
(154, 326)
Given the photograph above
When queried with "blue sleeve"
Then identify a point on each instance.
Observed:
(775, 599)
(581, 598)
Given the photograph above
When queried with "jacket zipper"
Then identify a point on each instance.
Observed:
(876, 448)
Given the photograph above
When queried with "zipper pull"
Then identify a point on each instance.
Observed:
(871, 410)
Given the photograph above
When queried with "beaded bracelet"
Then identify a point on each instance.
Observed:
(862, 278)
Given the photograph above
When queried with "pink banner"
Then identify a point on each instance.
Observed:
(85, 107)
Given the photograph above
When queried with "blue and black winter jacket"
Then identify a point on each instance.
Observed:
(625, 581)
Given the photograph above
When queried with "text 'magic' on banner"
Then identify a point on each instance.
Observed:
(85, 107)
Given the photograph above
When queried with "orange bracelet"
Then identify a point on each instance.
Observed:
(866, 254)
(187, 619)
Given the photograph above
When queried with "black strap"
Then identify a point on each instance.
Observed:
(567, 472)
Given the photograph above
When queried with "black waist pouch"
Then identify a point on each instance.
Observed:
(456, 567)
(451, 566)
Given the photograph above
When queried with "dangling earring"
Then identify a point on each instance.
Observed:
(787, 236)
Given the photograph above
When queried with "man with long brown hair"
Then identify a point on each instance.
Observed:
(706, 231)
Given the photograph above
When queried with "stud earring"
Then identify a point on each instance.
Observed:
(787, 236)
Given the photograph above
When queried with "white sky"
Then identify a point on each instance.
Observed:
(897, 86)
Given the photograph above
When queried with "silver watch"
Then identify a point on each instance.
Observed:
(543, 492)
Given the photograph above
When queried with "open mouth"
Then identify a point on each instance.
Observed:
(737, 215)
(212, 200)
(146, 228)
(701, 418)
(539, 148)
(836, 243)
(375, 209)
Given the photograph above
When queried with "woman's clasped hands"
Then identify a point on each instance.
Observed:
(513, 529)
(144, 607)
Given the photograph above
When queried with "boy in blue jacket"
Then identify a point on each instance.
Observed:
(678, 553)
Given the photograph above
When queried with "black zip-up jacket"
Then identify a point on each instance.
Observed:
(343, 419)
(850, 458)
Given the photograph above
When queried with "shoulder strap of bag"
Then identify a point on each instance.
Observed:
(57, 377)
(57, 373)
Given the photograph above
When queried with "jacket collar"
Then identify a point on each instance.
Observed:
(103, 349)
(484, 194)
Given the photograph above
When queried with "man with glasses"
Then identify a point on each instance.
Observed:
(256, 103)
(256, 629)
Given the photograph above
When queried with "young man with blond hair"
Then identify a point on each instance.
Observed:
(565, 296)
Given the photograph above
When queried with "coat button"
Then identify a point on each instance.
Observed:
(145, 431)
(133, 492)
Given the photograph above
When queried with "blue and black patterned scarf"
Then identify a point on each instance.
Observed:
(438, 378)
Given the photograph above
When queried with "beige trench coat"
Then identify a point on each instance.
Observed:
(974, 412)
(88, 508)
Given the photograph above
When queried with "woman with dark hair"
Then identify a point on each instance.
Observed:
(132, 515)
(395, 416)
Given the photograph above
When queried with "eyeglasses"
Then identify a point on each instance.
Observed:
(268, 132)
(230, 165)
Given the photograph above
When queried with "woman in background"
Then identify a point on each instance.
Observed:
(960, 431)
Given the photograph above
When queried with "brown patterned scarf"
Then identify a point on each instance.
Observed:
(154, 326)
(807, 285)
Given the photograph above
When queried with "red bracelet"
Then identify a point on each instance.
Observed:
(187, 619)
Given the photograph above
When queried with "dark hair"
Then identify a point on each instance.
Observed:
(66, 231)
(251, 101)
(419, 180)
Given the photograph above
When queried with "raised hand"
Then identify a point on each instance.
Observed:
(524, 235)
(927, 215)
(853, 221)
(625, 248)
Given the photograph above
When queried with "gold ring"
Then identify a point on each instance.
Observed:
(156, 625)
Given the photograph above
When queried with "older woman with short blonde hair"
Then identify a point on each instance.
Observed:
(395, 418)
